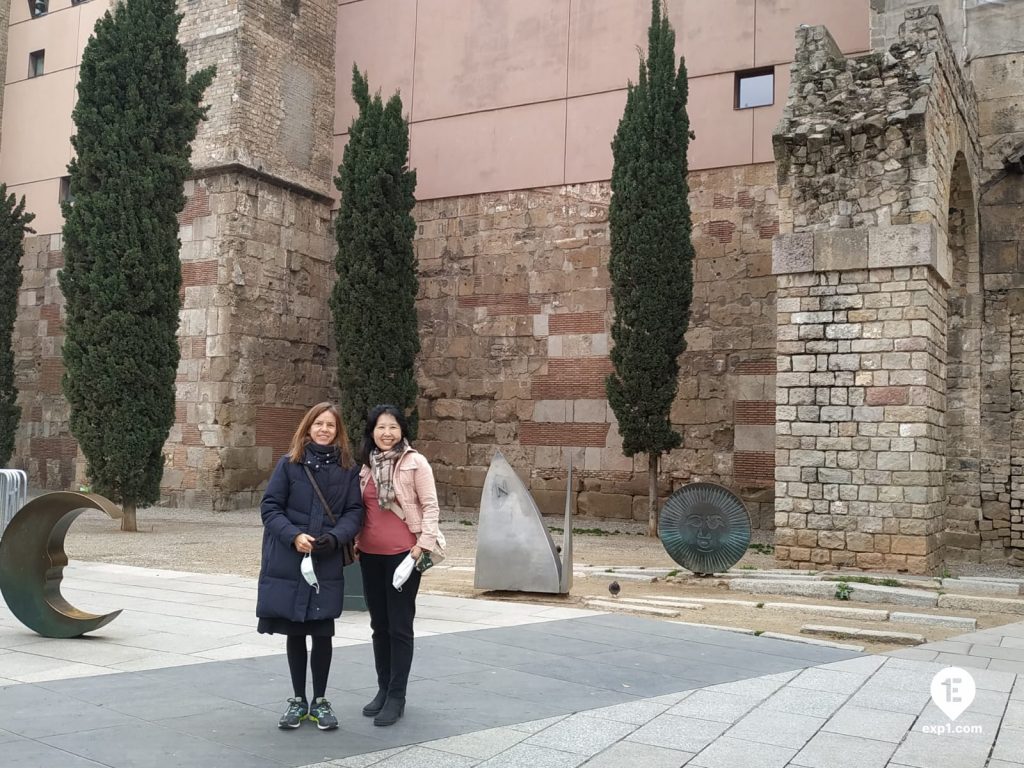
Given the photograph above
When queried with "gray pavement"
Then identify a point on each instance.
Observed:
(181, 678)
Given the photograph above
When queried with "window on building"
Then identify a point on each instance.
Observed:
(38, 7)
(65, 190)
(755, 88)
(78, 2)
(35, 63)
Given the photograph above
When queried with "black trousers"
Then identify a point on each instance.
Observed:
(391, 616)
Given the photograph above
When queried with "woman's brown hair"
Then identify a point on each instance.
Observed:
(301, 437)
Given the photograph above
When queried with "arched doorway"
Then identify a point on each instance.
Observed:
(967, 534)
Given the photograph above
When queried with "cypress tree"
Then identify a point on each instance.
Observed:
(651, 262)
(136, 114)
(374, 298)
(13, 226)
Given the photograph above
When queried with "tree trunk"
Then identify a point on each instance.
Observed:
(652, 494)
(128, 517)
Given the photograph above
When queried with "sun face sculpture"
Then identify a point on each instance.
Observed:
(705, 528)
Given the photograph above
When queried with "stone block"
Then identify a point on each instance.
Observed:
(872, 635)
(793, 253)
(840, 249)
(904, 245)
(981, 604)
(604, 505)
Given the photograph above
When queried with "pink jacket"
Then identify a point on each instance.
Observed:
(416, 494)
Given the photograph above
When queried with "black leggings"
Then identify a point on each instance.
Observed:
(319, 662)
(391, 616)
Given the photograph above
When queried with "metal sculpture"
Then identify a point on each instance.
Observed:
(32, 560)
(514, 549)
(13, 494)
(705, 528)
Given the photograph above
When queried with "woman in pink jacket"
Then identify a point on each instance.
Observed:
(401, 520)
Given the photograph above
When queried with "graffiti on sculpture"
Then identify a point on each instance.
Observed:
(32, 560)
(514, 549)
(705, 528)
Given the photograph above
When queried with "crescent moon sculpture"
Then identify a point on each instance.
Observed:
(32, 560)
(705, 528)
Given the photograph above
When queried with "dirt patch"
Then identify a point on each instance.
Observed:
(229, 542)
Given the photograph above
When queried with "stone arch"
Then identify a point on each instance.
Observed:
(964, 534)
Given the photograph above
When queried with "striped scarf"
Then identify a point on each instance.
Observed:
(382, 464)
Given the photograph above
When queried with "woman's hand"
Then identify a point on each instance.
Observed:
(416, 552)
(303, 543)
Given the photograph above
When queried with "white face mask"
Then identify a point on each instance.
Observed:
(402, 572)
(306, 566)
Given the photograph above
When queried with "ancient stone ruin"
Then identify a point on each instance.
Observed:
(892, 449)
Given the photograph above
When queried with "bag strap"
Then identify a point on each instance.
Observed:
(327, 507)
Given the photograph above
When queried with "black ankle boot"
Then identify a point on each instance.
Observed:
(392, 710)
(375, 706)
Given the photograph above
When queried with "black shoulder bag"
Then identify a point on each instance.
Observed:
(348, 552)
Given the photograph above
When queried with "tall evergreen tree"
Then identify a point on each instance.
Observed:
(13, 225)
(374, 299)
(136, 114)
(651, 261)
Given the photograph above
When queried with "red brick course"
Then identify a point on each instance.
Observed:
(501, 303)
(573, 378)
(196, 206)
(756, 412)
(275, 427)
(198, 273)
(763, 367)
(721, 230)
(754, 468)
(553, 433)
(577, 322)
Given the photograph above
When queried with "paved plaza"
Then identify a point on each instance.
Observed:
(181, 678)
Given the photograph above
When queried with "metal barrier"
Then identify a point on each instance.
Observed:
(13, 494)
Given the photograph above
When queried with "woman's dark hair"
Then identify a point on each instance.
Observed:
(367, 446)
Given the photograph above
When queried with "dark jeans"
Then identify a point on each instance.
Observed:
(391, 616)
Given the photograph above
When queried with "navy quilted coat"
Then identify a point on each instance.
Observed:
(290, 506)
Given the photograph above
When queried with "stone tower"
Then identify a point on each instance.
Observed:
(900, 419)
(256, 261)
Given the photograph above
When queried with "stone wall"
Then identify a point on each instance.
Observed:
(879, 305)
(256, 256)
(256, 264)
(515, 311)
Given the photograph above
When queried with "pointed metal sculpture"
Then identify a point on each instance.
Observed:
(32, 560)
(514, 549)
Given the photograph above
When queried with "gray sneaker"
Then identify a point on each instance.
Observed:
(322, 714)
(298, 710)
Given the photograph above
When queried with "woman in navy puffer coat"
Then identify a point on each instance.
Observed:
(295, 523)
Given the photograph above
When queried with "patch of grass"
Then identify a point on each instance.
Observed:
(843, 590)
(466, 522)
(764, 549)
(748, 567)
(946, 574)
(673, 572)
(609, 570)
(758, 632)
(759, 605)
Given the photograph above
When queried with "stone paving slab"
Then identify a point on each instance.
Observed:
(494, 684)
